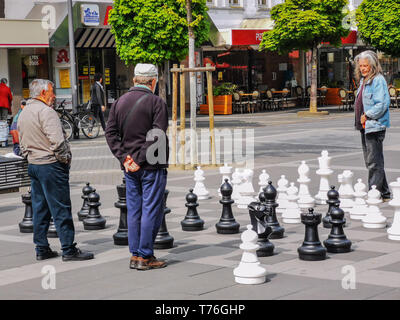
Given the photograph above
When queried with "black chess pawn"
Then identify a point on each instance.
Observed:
(192, 221)
(311, 250)
(337, 241)
(121, 236)
(333, 198)
(268, 198)
(26, 225)
(94, 220)
(258, 216)
(227, 223)
(52, 232)
(163, 239)
(86, 190)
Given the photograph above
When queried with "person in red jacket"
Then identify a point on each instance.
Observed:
(5, 100)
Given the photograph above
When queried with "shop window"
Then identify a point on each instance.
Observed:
(35, 65)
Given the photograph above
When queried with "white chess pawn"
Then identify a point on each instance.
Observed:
(305, 200)
(235, 185)
(247, 187)
(394, 230)
(249, 270)
(360, 208)
(263, 180)
(281, 199)
(346, 196)
(324, 171)
(199, 188)
(225, 171)
(292, 214)
(374, 218)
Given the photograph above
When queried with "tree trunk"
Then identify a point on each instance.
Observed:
(161, 83)
(314, 80)
(192, 79)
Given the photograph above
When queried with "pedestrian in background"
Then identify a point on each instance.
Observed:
(43, 144)
(5, 100)
(372, 117)
(14, 130)
(133, 117)
(97, 99)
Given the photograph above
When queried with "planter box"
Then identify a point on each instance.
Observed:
(332, 96)
(222, 105)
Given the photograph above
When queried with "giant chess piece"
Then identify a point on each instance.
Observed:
(52, 232)
(394, 230)
(292, 214)
(337, 241)
(267, 198)
(311, 250)
(94, 220)
(247, 188)
(249, 270)
(86, 190)
(163, 239)
(282, 199)
(225, 171)
(263, 180)
(121, 236)
(26, 225)
(324, 172)
(333, 199)
(374, 218)
(360, 208)
(305, 200)
(346, 194)
(192, 221)
(236, 181)
(199, 188)
(258, 217)
(227, 223)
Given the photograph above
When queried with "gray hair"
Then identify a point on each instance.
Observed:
(143, 80)
(3, 80)
(373, 61)
(37, 86)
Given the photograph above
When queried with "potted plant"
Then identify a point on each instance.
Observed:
(222, 99)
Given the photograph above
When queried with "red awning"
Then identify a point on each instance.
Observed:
(247, 36)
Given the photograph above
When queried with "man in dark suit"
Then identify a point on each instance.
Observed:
(97, 98)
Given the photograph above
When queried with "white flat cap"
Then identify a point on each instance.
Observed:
(146, 70)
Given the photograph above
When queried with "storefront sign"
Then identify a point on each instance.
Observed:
(247, 36)
(107, 76)
(92, 70)
(90, 14)
(62, 56)
(85, 70)
(64, 78)
(106, 16)
(34, 60)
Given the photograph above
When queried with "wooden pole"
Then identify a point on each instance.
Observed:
(183, 109)
(211, 115)
(174, 115)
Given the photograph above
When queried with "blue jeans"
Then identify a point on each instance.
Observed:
(372, 144)
(51, 198)
(145, 201)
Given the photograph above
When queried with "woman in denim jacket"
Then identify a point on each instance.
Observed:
(372, 117)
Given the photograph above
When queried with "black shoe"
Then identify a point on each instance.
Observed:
(47, 255)
(78, 256)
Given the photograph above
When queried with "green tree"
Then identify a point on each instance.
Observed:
(304, 25)
(155, 31)
(378, 22)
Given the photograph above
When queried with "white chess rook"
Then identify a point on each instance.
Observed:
(249, 270)
(374, 218)
(324, 172)
(305, 200)
(394, 230)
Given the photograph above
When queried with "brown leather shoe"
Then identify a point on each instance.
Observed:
(133, 263)
(150, 263)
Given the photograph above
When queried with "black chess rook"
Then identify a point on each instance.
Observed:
(227, 223)
(26, 225)
(311, 250)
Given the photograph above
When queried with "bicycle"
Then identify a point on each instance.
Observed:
(82, 119)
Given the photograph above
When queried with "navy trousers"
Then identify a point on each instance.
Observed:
(51, 198)
(145, 201)
(372, 144)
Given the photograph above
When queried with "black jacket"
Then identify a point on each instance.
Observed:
(150, 114)
(97, 95)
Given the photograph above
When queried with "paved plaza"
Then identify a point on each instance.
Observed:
(201, 263)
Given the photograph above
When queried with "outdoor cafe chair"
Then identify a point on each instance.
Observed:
(238, 103)
(270, 100)
(254, 101)
(394, 97)
(345, 100)
(322, 95)
(300, 95)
